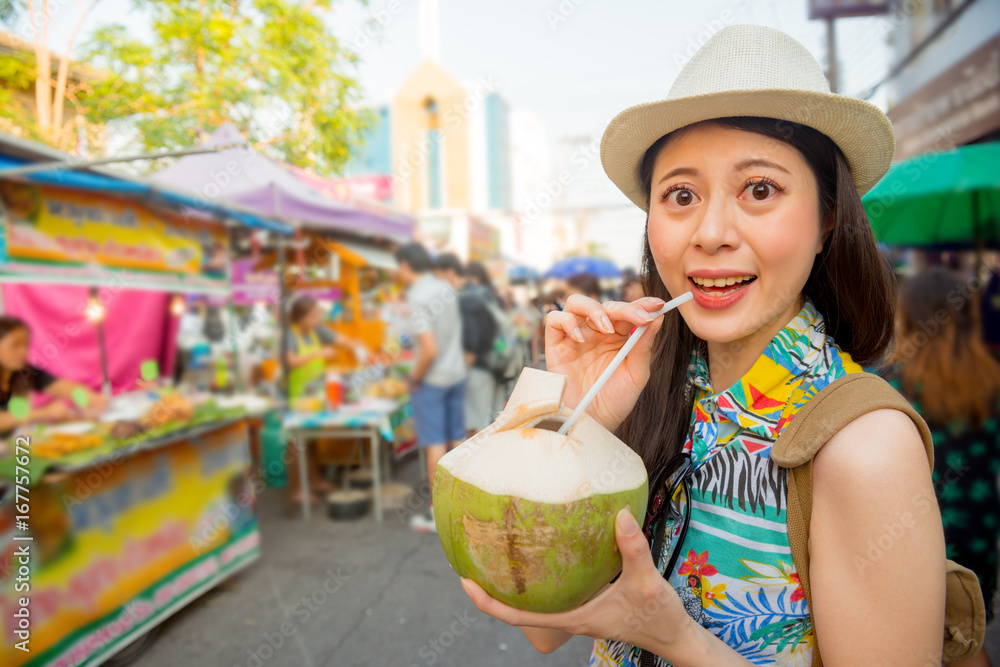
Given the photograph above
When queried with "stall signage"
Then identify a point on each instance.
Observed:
(57, 226)
(118, 547)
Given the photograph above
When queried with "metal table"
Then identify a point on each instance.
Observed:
(372, 420)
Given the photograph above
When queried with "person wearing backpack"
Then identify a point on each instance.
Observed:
(944, 368)
(479, 333)
(509, 355)
(792, 518)
(437, 380)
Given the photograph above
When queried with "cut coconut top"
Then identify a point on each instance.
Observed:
(541, 465)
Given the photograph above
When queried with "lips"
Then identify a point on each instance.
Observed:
(718, 290)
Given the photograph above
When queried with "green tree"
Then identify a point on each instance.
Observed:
(38, 82)
(272, 67)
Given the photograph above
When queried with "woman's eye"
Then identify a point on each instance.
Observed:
(680, 197)
(761, 190)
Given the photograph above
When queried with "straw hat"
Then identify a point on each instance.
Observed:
(747, 70)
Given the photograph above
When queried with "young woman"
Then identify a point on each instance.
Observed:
(942, 365)
(18, 378)
(750, 175)
(310, 346)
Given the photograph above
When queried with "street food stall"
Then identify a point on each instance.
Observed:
(118, 522)
(372, 403)
(342, 245)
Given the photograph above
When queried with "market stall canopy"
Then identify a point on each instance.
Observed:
(571, 266)
(67, 226)
(523, 274)
(375, 257)
(949, 199)
(15, 152)
(247, 177)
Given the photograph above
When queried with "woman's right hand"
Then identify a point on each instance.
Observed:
(581, 341)
(55, 412)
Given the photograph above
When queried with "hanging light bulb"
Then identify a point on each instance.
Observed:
(177, 305)
(94, 311)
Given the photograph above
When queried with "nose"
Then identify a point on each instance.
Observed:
(717, 228)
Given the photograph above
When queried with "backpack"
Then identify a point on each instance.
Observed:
(508, 357)
(831, 409)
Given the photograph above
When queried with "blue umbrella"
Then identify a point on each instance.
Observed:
(523, 274)
(571, 266)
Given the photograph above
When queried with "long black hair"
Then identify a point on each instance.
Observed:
(850, 284)
(19, 384)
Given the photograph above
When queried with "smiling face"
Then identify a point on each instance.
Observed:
(14, 349)
(734, 218)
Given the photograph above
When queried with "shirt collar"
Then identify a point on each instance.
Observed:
(797, 346)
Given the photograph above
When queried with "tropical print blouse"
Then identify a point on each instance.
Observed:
(735, 573)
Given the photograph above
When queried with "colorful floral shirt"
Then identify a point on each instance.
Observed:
(735, 574)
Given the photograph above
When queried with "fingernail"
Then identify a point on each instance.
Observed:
(627, 522)
(578, 335)
(644, 315)
(606, 324)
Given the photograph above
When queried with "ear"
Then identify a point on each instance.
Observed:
(827, 230)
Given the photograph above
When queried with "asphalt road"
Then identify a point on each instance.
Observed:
(345, 594)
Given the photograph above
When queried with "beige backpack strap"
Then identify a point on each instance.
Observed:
(833, 408)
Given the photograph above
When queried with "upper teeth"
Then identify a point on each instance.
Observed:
(720, 282)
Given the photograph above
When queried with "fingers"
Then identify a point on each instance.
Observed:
(592, 313)
(630, 315)
(613, 316)
(632, 544)
(508, 614)
(559, 324)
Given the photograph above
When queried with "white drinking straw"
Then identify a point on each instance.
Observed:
(616, 362)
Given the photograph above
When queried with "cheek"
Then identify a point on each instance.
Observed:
(786, 250)
(668, 242)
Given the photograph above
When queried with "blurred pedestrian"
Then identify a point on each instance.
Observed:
(477, 273)
(945, 370)
(585, 284)
(512, 348)
(631, 289)
(479, 333)
(437, 381)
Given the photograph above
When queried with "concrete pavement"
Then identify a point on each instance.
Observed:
(345, 594)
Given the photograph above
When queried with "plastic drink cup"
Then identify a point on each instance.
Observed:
(334, 390)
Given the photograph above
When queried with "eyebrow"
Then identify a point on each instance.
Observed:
(679, 171)
(740, 166)
(758, 162)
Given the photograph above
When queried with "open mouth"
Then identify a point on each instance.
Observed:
(722, 286)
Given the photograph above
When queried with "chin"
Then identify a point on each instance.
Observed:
(717, 328)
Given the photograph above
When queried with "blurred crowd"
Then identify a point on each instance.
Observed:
(942, 363)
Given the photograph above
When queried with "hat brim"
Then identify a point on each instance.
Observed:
(859, 128)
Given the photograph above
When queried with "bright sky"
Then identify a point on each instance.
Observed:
(572, 63)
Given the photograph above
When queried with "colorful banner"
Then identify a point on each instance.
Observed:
(119, 547)
(250, 286)
(50, 229)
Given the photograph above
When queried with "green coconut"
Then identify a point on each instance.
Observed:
(529, 514)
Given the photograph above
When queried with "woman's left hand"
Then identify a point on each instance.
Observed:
(97, 405)
(640, 608)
